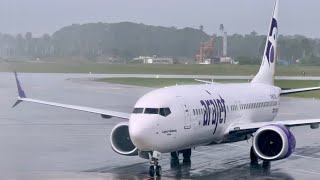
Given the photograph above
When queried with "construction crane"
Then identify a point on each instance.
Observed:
(206, 52)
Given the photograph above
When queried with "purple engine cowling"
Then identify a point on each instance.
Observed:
(273, 142)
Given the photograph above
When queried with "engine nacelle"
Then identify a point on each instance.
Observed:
(120, 140)
(273, 142)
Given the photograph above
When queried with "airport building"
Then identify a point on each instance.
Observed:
(153, 60)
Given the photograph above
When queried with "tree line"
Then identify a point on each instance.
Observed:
(105, 41)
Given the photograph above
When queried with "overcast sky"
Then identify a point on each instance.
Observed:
(238, 16)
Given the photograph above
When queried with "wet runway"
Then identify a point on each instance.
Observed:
(41, 142)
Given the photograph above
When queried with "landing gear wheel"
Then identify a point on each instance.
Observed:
(151, 171)
(158, 171)
(186, 156)
(253, 157)
(187, 153)
(155, 169)
(175, 156)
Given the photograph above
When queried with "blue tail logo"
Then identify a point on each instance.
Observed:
(270, 52)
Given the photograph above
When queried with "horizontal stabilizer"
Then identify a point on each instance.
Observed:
(291, 91)
(204, 81)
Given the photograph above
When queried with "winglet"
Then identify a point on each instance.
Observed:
(21, 92)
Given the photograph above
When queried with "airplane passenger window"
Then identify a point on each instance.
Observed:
(137, 111)
(151, 111)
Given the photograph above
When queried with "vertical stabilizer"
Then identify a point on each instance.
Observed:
(267, 69)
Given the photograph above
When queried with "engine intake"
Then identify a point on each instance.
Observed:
(120, 140)
(273, 142)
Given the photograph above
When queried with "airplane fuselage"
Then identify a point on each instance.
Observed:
(199, 114)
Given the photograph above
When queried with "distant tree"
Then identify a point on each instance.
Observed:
(127, 40)
(253, 33)
(28, 45)
(201, 27)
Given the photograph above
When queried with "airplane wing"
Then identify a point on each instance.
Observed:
(291, 91)
(104, 113)
(204, 81)
(249, 128)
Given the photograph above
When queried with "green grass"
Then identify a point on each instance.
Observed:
(180, 69)
(163, 82)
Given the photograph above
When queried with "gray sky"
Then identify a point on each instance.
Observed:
(238, 16)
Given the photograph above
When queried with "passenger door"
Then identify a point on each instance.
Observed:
(187, 113)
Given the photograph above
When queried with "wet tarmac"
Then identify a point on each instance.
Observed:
(40, 142)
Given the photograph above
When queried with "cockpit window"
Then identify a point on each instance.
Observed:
(137, 111)
(165, 112)
(151, 111)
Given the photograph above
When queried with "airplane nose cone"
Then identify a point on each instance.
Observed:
(140, 136)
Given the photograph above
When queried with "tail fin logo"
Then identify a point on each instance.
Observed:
(270, 51)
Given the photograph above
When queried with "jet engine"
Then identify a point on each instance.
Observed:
(120, 140)
(273, 142)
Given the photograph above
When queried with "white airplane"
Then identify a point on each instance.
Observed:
(176, 119)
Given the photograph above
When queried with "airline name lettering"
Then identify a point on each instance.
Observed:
(215, 112)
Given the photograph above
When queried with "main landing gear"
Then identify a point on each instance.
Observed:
(186, 156)
(155, 169)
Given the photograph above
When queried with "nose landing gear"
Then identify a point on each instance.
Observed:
(155, 169)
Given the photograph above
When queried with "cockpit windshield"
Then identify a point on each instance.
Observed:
(165, 112)
(151, 111)
(137, 111)
(161, 111)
